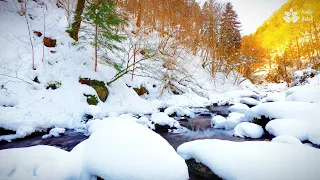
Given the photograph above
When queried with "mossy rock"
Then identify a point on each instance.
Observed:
(98, 86)
(92, 100)
(141, 91)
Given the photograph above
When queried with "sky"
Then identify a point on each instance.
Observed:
(252, 13)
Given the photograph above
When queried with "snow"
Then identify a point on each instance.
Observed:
(238, 107)
(163, 119)
(307, 93)
(250, 130)
(180, 111)
(233, 120)
(242, 94)
(314, 134)
(254, 160)
(308, 112)
(249, 101)
(218, 122)
(55, 132)
(293, 127)
(23, 163)
(287, 139)
(132, 152)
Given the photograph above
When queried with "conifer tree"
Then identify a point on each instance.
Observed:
(104, 17)
(230, 38)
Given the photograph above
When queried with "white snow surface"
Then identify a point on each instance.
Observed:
(120, 148)
(55, 132)
(180, 111)
(254, 160)
(307, 93)
(163, 119)
(287, 139)
(238, 107)
(24, 163)
(246, 129)
(293, 127)
(249, 101)
(308, 112)
(34, 108)
(218, 122)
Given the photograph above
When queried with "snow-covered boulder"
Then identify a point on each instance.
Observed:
(218, 122)
(246, 129)
(249, 101)
(120, 148)
(233, 120)
(292, 127)
(287, 139)
(254, 160)
(314, 134)
(305, 111)
(238, 107)
(179, 111)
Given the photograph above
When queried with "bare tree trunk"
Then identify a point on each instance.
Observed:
(77, 20)
(96, 49)
(134, 60)
(139, 14)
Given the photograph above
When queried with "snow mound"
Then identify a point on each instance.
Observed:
(254, 160)
(314, 135)
(180, 111)
(293, 127)
(55, 132)
(163, 119)
(218, 122)
(249, 101)
(131, 152)
(250, 130)
(308, 112)
(23, 163)
(307, 93)
(238, 107)
(233, 120)
(287, 139)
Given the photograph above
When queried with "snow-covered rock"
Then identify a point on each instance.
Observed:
(287, 139)
(119, 148)
(249, 101)
(218, 122)
(233, 120)
(308, 112)
(314, 134)
(163, 119)
(292, 127)
(238, 107)
(254, 160)
(246, 129)
(55, 132)
(242, 94)
(180, 111)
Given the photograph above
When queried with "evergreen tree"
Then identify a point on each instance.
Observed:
(103, 16)
(230, 38)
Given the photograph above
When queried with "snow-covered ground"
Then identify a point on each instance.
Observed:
(27, 106)
(122, 146)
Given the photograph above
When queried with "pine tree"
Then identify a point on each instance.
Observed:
(230, 38)
(103, 16)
